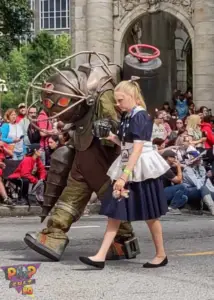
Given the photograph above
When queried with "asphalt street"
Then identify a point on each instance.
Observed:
(189, 241)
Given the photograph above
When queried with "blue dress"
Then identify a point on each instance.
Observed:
(146, 199)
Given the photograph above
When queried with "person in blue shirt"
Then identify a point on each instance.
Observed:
(181, 105)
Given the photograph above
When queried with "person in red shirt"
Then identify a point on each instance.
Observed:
(4, 152)
(30, 170)
(206, 128)
(22, 112)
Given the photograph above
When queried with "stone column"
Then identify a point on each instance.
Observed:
(100, 26)
(203, 53)
(78, 28)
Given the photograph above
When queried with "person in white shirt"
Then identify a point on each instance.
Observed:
(159, 130)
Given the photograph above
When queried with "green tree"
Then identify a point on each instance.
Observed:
(15, 22)
(15, 71)
(41, 52)
(45, 49)
(25, 62)
(63, 45)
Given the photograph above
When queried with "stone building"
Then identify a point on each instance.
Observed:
(180, 28)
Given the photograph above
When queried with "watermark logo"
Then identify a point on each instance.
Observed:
(20, 278)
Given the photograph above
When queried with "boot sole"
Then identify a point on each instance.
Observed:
(41, 249)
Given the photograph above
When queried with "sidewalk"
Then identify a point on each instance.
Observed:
(23, 211)
(91, 209)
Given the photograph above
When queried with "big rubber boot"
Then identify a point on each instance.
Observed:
(124, 248)
(51, 245)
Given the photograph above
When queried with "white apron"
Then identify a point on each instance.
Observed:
(150, 164)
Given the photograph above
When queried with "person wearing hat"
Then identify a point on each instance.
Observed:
(195, 178)
(21, 112)
(174, 188)
(30, 170)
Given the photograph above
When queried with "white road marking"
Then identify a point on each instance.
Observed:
(80, 227)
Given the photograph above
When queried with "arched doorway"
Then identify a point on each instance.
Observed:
(169, 34)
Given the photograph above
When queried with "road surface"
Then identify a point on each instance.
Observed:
(189, 241)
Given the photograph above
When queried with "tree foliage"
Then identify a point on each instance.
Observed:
(15, 22)
(25, 62)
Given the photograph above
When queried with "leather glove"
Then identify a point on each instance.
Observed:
(102, 128)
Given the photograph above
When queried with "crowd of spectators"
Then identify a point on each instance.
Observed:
(184, 136)
(29, 146)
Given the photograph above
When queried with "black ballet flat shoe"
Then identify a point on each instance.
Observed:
(152, 266)
(87, 261)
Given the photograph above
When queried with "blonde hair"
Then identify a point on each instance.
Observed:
(131, 88)
(192, 122)
(8, 113)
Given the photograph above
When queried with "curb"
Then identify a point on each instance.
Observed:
(91, 209)
(23, 211)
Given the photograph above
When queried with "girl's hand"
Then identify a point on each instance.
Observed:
(119, 184)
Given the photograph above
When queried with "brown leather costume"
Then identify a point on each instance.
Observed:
(86, 158)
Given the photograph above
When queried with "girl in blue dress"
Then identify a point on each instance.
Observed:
(137, 192)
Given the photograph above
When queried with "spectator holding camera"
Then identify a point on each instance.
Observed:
(174, 189)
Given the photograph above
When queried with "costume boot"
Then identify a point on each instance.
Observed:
(209, 203)
(51, 245)
(52, 241)
(124, 249)
(125, 245)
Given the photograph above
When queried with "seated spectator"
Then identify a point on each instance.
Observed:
(204, 111)
(181, 133)
(174, 189)
(30, 170)
(199, 187)
(166, 107)
(166, 119)
(192, 110)
(64, 138)
(206, 128)
(179, 125)
(54, 142)
(159, 130)
(22, 111)
(161, 145)
(12, 134)
(194, 130)
(184, 147)
(4, 152)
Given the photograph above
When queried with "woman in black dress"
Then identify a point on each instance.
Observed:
(137, 192)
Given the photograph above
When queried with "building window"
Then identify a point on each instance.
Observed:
(54, 14)
(32, 7)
